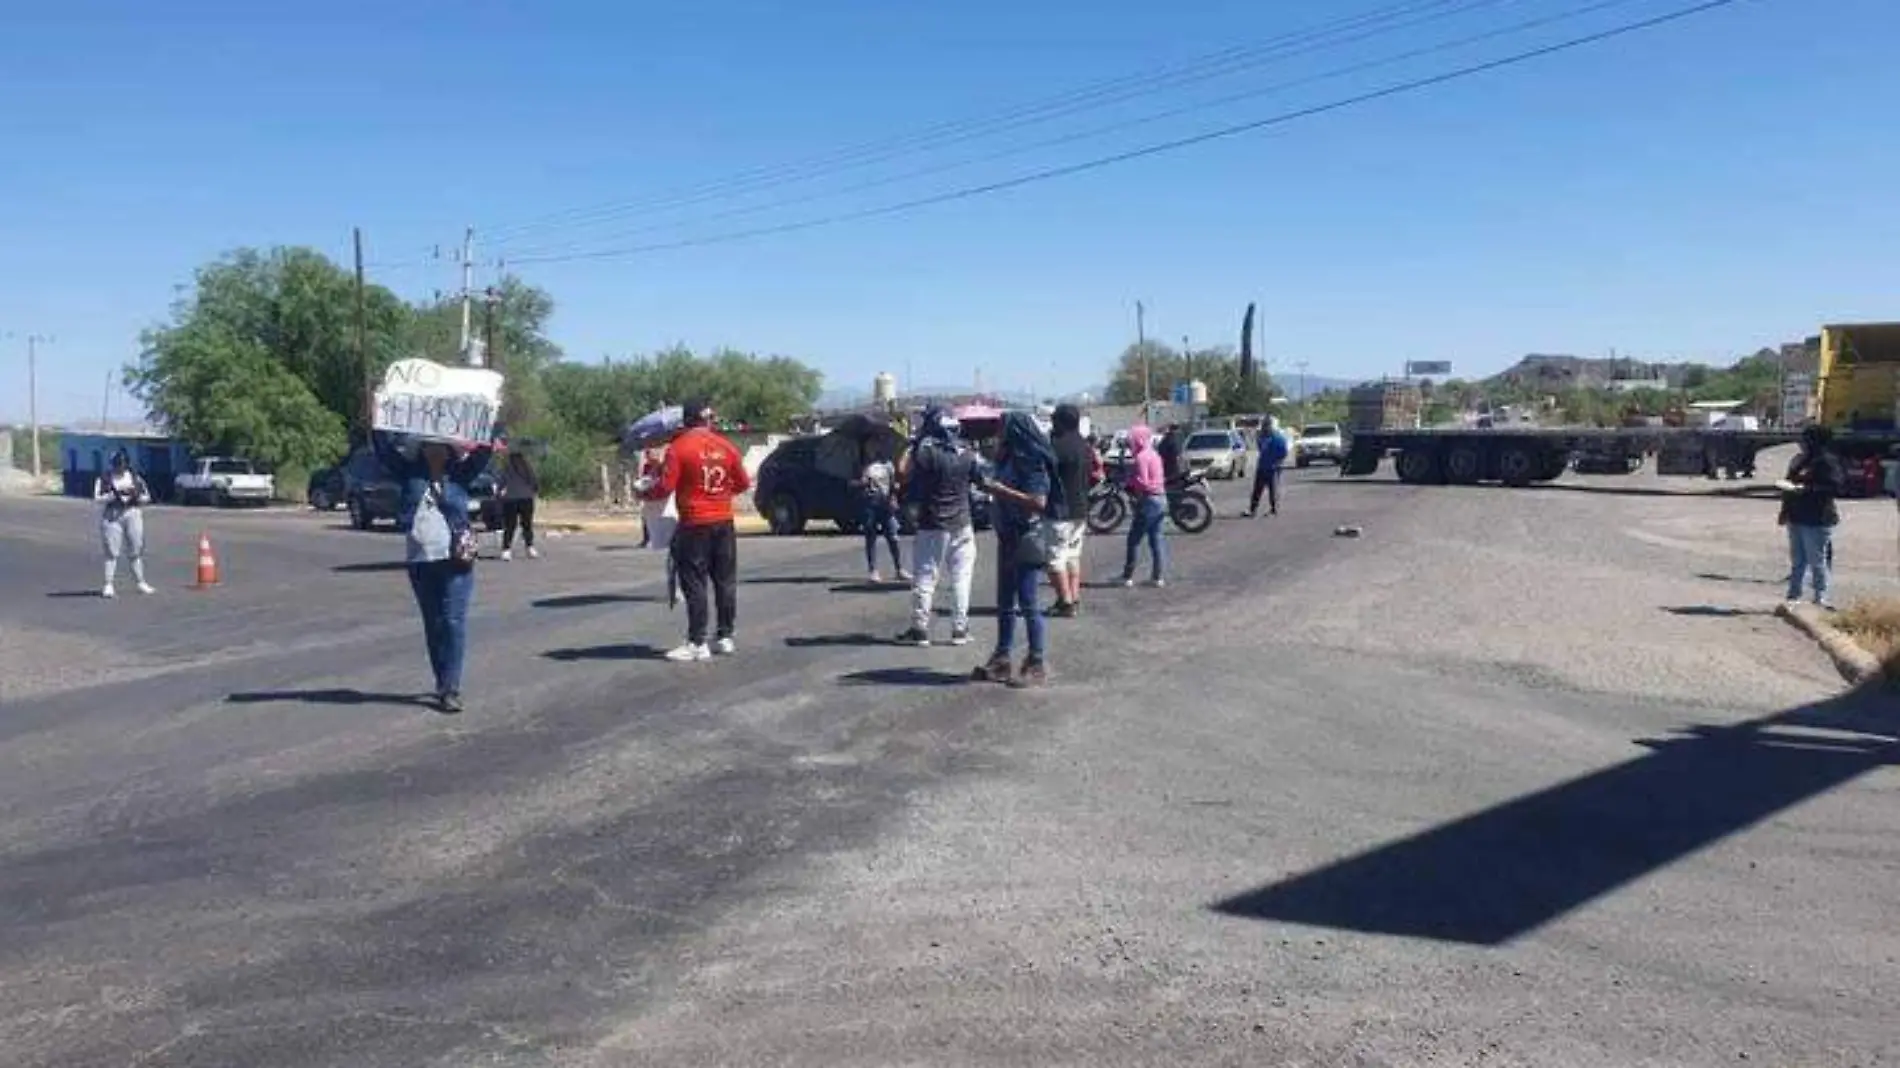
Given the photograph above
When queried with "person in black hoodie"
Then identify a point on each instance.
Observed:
(520, 485)
(1808, 511)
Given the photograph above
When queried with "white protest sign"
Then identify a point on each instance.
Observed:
(439, 403)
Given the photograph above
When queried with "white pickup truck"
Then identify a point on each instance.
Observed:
(223, 481)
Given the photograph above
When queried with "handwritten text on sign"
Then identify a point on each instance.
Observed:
(439, 403)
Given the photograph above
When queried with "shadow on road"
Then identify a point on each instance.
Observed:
(73, 595)
(589, 600)
(836, 641)
(1493, 876)
(376, 567)
(623, 651)
(327, 697)
(872, 587)
(788, 580)
(1714, 611)
(1715, 577)
(907, 676)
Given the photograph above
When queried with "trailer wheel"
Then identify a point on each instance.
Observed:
(1518, 466)
(1464, 464)
(1554, 463)
(1418, 466)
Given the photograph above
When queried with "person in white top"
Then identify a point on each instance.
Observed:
(122, 497)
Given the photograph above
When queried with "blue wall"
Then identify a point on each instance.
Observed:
(87, 456)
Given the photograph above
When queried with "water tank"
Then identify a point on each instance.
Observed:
(884, 388)
(1197, 392)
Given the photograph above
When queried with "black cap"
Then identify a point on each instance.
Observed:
(695, 410)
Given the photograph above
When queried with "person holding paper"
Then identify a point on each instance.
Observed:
(439, 545)
(704, 473)
(122, 497)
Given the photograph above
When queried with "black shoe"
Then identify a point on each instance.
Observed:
(960, 636)
(914, 637)
(997, 670)
(450, 703)
(1063, 610)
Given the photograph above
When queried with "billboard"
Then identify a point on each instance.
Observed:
(1414, 368)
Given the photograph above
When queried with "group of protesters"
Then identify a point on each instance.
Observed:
(1038, 484)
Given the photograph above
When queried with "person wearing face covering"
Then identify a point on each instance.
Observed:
(1024, 487)
(122, 497)
(439, 546)
(935, 474)
(1147, 487)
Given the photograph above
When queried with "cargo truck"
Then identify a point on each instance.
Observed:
(1858, 393)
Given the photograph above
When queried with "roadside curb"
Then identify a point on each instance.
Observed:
(1856, 665)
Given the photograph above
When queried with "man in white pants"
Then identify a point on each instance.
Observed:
(935, 474)
(122, 497)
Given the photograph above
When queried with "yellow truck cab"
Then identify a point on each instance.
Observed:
(1858, 377)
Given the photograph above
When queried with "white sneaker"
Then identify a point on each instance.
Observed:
(689, 653)
(507, 555)
(1157, 584)
(725, 647)
(108, 593)
(146, 589)
(534, 553)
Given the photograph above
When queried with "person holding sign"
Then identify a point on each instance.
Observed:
(704, 473)
(440, 545)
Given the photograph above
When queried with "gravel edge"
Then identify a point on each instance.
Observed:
(1856, 665)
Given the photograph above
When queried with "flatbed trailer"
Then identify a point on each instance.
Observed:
(1522, 456)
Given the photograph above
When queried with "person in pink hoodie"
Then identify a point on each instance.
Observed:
(1148, 490)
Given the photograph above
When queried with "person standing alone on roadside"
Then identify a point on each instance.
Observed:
(520, 485)
(1075, 467)
(122, 497)
(935, 474)
(704, 473)
(1815, 478)
(1274, 448)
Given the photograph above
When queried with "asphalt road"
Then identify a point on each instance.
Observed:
(229, 837)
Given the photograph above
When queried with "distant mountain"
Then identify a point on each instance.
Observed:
(1287, 384)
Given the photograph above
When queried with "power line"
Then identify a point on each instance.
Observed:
(1086, 98)
(1082, 135)
(1100, 162)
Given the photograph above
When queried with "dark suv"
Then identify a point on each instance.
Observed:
(794, 488)
(360, 484)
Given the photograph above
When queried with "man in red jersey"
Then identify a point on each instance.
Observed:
(704, 473)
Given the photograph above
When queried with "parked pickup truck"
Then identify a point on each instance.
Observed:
(223, 481)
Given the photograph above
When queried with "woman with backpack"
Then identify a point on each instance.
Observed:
(440, 546)
(122, 497)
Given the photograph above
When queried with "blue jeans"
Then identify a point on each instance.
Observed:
(1809, 551)
(1146, 523)
(443, 592)
(1016, 588)
(879, 518)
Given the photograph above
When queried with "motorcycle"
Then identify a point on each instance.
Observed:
(1188, 505)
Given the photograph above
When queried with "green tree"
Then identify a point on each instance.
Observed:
(223, 392)
(300, 308)
(599, 399)
(1217, 368)
(521, 313)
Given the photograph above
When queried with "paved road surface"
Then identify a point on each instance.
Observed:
(1308, 805)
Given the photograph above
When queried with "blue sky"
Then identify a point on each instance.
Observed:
(1690, 192)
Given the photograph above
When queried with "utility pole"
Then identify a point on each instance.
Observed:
(468, 282)
(362, 333)
(1187, 355)
(105, 405)
(491, 299)
(33, 341)
(1141, 346)
(1301, 367)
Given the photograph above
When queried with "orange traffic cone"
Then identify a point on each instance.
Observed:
(207, 563)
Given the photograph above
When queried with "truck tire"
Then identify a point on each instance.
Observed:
(1555, 463)
(1519, 465)
(1418, 467)
(1464, 464)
